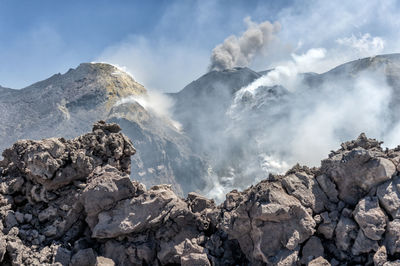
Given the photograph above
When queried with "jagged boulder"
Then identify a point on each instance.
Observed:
(105, 187)
(55, 163)
(306, 189)
(346, 231)
(267, 222)
(380, 257)
(320, 261)
(312, 249)
(392, 237)
(389, 196)
(128, 216)
(370, 218)
(356, 170)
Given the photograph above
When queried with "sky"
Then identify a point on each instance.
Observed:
(167, 44)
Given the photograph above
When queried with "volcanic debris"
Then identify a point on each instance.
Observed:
(71, 202)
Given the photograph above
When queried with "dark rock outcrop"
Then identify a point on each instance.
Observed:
(71, 202)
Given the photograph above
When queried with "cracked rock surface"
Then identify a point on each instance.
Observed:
(71, 202)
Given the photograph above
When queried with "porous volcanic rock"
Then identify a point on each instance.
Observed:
(71, 202)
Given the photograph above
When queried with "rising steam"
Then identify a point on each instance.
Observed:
(156, 103)
(239, 51)
(280, 120)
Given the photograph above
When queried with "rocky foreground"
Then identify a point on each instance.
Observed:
(71, 202)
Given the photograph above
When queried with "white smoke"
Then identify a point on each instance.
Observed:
(285, 74)
(239, 51)
(338, 114)
(306, 125)
(155, 102)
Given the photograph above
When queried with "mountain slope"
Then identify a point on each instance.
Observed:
(249, 129)
(77, 97)
(211, 94)
(64, 106)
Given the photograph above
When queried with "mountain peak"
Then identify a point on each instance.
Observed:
(218, 82)
(98, 68)
(100, 83)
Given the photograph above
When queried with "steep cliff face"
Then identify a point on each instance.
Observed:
(72, 202)
(64, 106)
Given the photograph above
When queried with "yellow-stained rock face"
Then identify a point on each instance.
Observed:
(118, 84)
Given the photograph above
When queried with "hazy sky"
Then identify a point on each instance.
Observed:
(166, 44)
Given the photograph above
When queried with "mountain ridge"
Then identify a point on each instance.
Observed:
(65, 104)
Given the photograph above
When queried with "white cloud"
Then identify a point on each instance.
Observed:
(365, 45)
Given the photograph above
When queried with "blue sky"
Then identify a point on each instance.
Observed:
(166, 44)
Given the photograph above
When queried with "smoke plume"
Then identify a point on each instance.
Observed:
(155, 103)
(281, 119)
(239, 51)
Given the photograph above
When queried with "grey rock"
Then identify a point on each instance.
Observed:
(389, 196)
(363, 244)
(19, 217)
(115, 251)
(265, 229)
(199, 203)
(320, 261)
(328, 187)
(129, 216)
(104, 189)
(84, 257)
(11, 185)
(312, 249)
(306, 190)
(195, 259)
(10, 219)
(318, 219)
(370, 218)
(392, 237)
(392, 263)
(334, 262)
(356, 171)
(50, 231)
(62, 255)
(55, 163)
(346, 231)
(284, 257)
(327, 230)
(327, 227)
(28, 217)
(102, 261)
(3, 246)
(380, 256)
(47, 214)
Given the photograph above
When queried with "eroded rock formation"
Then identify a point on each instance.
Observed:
(71, 202)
